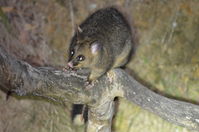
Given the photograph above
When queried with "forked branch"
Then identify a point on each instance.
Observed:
(22, 79)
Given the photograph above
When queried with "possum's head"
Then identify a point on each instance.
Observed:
(83, 52)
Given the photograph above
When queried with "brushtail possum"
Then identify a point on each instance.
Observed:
(102, 42)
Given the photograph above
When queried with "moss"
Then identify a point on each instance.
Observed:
(4, 20)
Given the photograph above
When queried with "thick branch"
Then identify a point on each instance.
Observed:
(178, 112)
(23, 79)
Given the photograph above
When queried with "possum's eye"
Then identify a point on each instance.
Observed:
(80, 58)
(72, 52)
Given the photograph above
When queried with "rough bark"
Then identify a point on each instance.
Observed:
(22, 79)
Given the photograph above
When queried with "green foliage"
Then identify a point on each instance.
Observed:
(4, 20)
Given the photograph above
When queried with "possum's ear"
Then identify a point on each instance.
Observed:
(95, 47)
(78, 31)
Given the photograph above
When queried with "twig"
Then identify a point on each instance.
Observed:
(72, 16)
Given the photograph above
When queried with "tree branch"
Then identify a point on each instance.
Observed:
(21, 78)
(178, 112)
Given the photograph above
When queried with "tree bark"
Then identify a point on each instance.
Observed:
(24, 80)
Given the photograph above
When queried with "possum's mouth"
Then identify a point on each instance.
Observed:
(72, 65)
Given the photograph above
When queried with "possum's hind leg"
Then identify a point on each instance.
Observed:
(124, 57)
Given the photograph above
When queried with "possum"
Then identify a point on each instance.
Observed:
(102, 42)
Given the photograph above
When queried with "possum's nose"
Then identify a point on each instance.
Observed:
(70, 64)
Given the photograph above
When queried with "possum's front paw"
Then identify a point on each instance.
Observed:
(89, 84)
(65, 69)
(92, 79)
